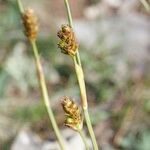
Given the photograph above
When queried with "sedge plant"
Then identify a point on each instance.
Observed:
(69, 46)
(31, 29)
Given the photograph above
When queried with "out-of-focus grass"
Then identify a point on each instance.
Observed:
(30, 113)
(9, 24)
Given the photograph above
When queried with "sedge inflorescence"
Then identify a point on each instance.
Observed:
(30, 24)
(74, 118)
(67, 44)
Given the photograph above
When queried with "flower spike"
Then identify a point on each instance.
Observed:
(67, 44)
(30, 24)
(74, 117)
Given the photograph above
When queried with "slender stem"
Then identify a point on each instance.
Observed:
(43, 87)
(20, 6)
(146, 5)
(80, 77)
(45, 94)
(83, 139)
(71, 25)
(89, 125)
(69, 13)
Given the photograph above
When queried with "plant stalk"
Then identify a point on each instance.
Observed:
(80, 77)
(83, 139)
(20, 6)
(45, 94)
(44, 90)
(146, 5)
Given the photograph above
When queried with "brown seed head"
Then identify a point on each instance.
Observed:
(73, 114)
(30, 24)
(68, 44)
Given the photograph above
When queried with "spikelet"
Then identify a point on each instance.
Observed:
(68, 44)
(73, 114)
(30, 24)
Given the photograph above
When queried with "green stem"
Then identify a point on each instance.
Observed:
(69, 13)
(146, 5)
(80, 77)
(20, 6)
(71, 25)
(83, 139)
(89, 125)
(44, 88)
(45, 94)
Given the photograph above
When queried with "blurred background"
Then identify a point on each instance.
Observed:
(114, 40)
